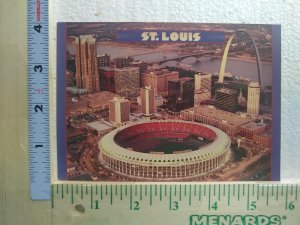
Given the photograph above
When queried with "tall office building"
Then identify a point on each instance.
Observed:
(253, 98)
(103, 60)
(87, 76)
(119, 110)
(202, 88)
(158, 79)
(181, 93)
(202, 81)
(107, 79)
(127, 81)
(147, 101)
(226, 99)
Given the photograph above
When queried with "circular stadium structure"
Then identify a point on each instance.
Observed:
(164, 150)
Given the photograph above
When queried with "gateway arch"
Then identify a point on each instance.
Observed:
(225, 55)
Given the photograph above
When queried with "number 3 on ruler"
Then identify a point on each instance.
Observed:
(38, 68)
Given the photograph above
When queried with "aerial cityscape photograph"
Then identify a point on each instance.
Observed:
(168, 102)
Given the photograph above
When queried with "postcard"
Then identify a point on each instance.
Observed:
(168, 102)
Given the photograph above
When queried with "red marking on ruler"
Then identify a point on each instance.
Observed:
(38, 10)
(39, 90)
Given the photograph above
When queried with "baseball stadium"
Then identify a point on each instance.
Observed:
(167, 150)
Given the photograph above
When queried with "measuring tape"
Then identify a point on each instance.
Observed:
(191, 204)
(38, 99)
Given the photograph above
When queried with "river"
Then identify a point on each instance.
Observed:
(237, 67)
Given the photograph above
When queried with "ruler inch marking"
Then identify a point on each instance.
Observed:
(92, 200)
(170, 198)
(62, 191)
(52, 197)
(190, 194)
(238, 192)
(267, 196)
(208, 197)
(248, 197)
(228, 203)
(160, 192)
(286, 196)
(130, 203)
(121, 192)
(111, 194)
(150, 195)
(219, 192)
(72, 194)
(277, 187)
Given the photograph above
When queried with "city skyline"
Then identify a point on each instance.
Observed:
(158, 82)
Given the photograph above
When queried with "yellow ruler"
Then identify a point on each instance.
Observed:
(184, 203)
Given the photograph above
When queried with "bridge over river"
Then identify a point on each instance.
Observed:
(179, 58)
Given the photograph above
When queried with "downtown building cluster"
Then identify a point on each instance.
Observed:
(199, 97)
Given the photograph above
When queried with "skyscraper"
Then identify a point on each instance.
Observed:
(127, 81)
(202, 88)
(253, 98)
(158, 79)
(202, 81)
(181, 93)
(87, 76)
(119, 110)
(107, 79)
(226, 99)
(103, 60)
(147, 100)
